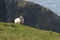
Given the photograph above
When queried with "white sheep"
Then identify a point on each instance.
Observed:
(19, 20)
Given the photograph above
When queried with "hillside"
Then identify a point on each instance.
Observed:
(34, 15)
(10, 31)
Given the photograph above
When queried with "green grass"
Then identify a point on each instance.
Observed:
(10, 31)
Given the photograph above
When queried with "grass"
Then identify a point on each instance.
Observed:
(10, 31)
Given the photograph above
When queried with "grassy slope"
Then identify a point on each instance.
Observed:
(21, 32)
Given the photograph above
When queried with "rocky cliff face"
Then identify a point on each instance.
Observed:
(34, 15)
(2, 10)
(11, 7)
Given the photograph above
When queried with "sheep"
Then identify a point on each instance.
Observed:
(19, 20)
